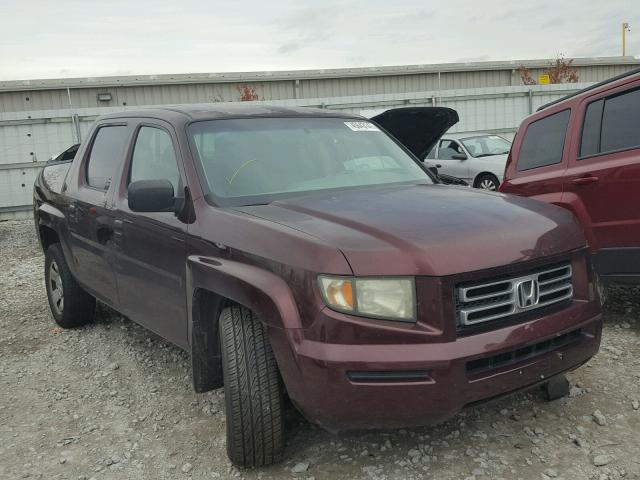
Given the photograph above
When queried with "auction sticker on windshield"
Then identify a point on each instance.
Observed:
(362, 126)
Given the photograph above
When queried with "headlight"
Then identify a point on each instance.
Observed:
(390, 298)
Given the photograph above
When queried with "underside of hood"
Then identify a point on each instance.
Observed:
(417, 128)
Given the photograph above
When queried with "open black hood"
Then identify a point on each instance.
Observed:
(417, 128)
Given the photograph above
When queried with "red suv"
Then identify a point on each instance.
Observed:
(583, 153)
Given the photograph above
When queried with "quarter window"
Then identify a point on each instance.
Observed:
(590, 143)
(154, 158)
(543, 141)
(106, 154)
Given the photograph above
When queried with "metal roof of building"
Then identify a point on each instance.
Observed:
(269, 76)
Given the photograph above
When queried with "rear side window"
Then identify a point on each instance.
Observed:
(620, 125)
(154, 157)
(543, 141)
(106, 153)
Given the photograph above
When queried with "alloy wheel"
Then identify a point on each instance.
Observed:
(488, 184)
(55, 288)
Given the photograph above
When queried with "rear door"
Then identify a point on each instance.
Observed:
(150, 252)
(604, 176)
(90, 219)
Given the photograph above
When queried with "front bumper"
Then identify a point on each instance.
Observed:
(317, 374)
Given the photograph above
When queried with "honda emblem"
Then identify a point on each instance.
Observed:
(528, 293)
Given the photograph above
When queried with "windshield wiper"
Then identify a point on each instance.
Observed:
(490, 154)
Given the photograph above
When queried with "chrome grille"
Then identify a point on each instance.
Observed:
(483, 302)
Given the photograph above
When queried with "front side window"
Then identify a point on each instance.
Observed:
(486, 145)
(106, 154)
(450, 150)
(620, 125)
(154, 157)
(255, 160)
(544, 141)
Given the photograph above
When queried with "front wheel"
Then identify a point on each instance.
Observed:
(252, 389)
(486, 181)
(70, 305)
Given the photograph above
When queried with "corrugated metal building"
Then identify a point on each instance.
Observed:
(39, 118)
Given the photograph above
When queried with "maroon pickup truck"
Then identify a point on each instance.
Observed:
(310, 253)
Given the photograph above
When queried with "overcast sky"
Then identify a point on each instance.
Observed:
(78, 38)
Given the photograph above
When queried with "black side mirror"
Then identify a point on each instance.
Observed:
(459, 156)
(151, 196)
(434, 168)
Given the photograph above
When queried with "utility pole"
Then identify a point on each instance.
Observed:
(625, 28)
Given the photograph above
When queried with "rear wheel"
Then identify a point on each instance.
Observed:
(487, 181)
(253, 390)
(70, 305)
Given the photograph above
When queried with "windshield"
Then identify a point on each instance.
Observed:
(486, 145)
(257, 160)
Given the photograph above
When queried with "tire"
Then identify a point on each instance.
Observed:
(252, 389)
(487, 181)
(70, 305)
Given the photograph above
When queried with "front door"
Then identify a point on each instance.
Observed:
(151, 247)
(453, 160)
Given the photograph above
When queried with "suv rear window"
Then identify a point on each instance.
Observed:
(106, 154)
(543, 141)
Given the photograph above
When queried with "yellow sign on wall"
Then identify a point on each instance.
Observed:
(544, 79)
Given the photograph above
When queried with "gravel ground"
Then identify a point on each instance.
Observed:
(112, 401)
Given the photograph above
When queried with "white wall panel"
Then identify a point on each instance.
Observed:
(29, 136)
(16, 187)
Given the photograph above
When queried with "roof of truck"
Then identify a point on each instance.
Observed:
(213, 111)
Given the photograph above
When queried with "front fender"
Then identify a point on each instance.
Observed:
(265, 293)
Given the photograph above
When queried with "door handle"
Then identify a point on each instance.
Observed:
(588, 180)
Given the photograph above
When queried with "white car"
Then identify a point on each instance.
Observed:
(477, 158)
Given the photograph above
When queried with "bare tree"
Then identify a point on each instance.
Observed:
(525, 76)
(247, 93)
(559, 71)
